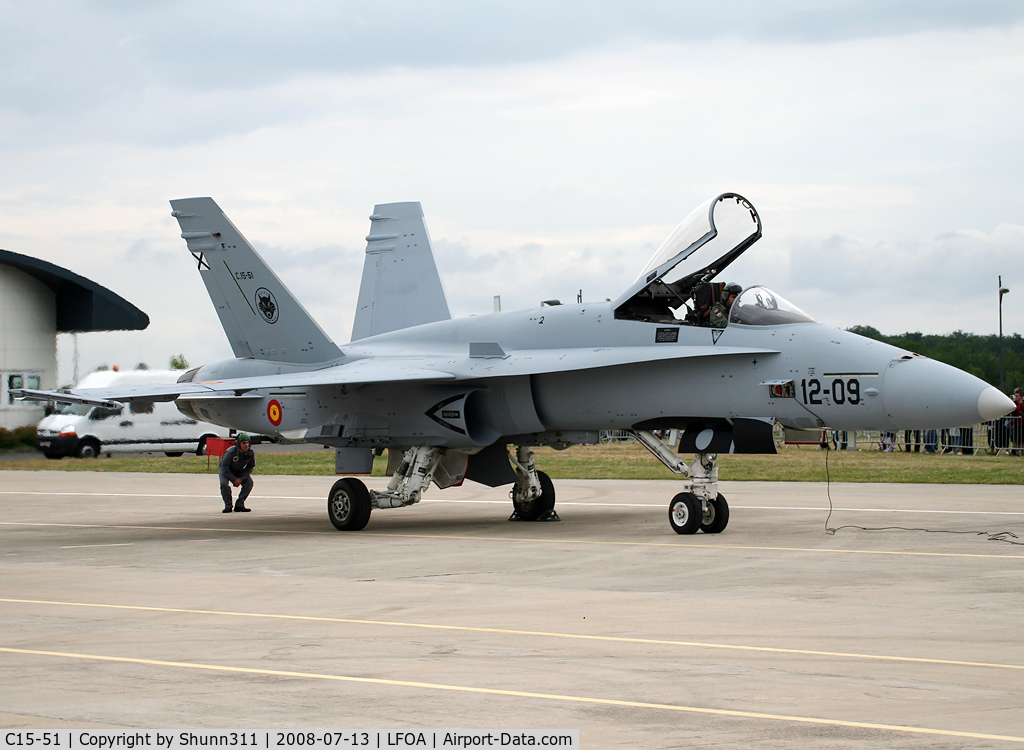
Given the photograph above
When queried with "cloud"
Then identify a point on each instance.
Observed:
(75, 57)
(553, 148)
(936, 285)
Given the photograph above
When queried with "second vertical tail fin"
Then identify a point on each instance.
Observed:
(400, 286)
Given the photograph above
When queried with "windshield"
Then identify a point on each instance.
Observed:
(78, 410)
(758, 306)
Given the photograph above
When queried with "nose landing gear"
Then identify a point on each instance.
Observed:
(702, 508)
(687, 513)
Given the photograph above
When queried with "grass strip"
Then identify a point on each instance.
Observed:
(616, 461)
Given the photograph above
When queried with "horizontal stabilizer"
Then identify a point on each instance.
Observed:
(355, 373)
(59, 397)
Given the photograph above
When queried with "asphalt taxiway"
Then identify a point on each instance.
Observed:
(129, 600)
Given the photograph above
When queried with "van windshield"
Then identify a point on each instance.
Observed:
(77, 410)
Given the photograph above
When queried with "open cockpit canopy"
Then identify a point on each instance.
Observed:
(709, 239)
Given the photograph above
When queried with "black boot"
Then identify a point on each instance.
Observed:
(240, 508)
(227, 508)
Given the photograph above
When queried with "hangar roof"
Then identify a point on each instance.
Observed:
(82, 305)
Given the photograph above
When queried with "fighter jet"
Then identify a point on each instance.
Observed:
(470, 398)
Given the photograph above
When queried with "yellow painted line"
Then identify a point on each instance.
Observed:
(519, 694)
(524, 540)
(83, 546)
(531, 633)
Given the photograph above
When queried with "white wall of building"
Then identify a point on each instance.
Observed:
(28, 343)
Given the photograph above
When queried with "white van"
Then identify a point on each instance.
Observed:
(139, 427)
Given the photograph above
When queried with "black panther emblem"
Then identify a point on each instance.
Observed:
(266, 303)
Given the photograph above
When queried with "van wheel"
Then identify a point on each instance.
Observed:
(88, 449)
(201, 448)
(174, 454)
(54, 456)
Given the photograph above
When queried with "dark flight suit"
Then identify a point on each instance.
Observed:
(236, 465)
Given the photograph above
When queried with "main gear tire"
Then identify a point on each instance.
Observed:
(539, 507)
(716, 516)
(685, 513)
(349, 505)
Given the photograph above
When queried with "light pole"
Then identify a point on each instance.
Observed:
(1002, 290)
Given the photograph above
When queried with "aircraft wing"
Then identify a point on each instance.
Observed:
(442, 367)
(490, 361)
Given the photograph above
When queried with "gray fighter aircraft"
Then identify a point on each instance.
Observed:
(447, 398)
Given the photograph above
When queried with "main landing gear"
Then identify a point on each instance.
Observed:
(703, 508)
(350, 502)
(533, 494)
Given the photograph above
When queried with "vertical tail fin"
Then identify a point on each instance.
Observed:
(400, 286)
(261, 318)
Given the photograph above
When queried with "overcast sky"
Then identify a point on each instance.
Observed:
(553, 147)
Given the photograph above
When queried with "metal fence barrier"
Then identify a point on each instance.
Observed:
(616, 436)
(1003, 435)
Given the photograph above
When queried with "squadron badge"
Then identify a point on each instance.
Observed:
(266, 303)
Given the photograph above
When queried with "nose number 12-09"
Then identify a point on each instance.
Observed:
(839, 392)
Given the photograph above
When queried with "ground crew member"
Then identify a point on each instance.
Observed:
(719, 315)
(236, 466)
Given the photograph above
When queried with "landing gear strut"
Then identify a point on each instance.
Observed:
(533, 494)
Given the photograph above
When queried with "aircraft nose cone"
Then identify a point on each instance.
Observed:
(921, 394)
(994, 403)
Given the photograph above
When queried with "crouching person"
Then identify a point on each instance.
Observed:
(236, 467)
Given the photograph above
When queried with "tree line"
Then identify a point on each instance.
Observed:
(978, 355)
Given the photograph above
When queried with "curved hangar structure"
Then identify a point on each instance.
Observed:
(448, 397)
(38, 300)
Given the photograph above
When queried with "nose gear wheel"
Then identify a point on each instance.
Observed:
(716, 516)
(685, 513)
